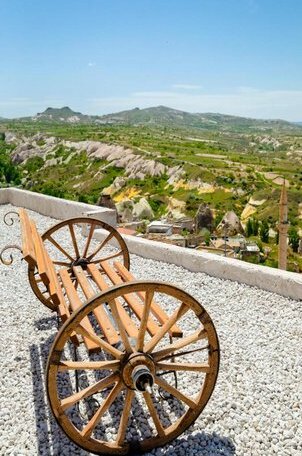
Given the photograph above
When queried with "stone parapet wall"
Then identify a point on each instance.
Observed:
(275, 280)
(54, 207)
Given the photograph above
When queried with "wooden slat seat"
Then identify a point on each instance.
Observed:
(131, 300)
(100, 314)
(70, 288)
(75, 303)
(155, 308)
(130, 326)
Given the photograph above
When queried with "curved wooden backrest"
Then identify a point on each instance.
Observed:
(36, 255)
(28, 248)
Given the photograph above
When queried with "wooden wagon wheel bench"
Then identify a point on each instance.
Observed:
(134, 362)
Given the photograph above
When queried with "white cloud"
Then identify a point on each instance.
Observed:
(187, 86)
(91, 64)
(247, 102)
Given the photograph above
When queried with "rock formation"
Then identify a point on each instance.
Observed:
(204, 218)
(143, 210)
(136, 166)
(118, 183)
(230, 225)
(176, 208)
(125, 211)
(105, 200)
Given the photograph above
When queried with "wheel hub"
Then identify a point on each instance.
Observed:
(83, 262)
(142, 378)
(138, 372)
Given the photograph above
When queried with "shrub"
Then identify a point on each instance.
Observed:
(9, 172)
(249, 228)
(33, 164)
(264, 231)
(293, 238)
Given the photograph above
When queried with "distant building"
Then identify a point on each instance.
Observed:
(127, 231)
(181, 224)
(160, 227)
(193, 240)
(175, 239)
(228, 251)
(251, 253)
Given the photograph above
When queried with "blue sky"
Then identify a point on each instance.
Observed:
(241, 57)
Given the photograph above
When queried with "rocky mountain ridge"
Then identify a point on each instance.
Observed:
(161, 116)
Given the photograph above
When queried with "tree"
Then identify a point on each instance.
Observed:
(260, 245)
(207, 237)
(255, 227)
(293, 238)
(218, 218)
(249, 228)
(264, 231)
(9, 172)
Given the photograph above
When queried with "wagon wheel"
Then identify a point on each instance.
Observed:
(76, 250)
(125, 384)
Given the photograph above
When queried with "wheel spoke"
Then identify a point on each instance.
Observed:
(125, 417)
(107, 239)
(59, 247)
(120, 325)
(82, 365)
(89, 391)
(61, 263)
(175, 392)
(153, 413)
(74, 241)
(100, 342)
(184, 367)
(109, 257)
(197, 335)
(91, 231)
(38, 280)
(165, 328)
(144, 320)
(187, 352)
(88, 429)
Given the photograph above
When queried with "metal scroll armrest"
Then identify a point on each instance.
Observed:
(11, 259)
(9, 218)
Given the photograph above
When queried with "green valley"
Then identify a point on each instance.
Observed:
(175, 160)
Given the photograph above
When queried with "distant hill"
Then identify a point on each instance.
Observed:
(64, 114)
(165, 116)
(162, 115)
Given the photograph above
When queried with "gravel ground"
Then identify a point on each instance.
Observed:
(256, 405)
